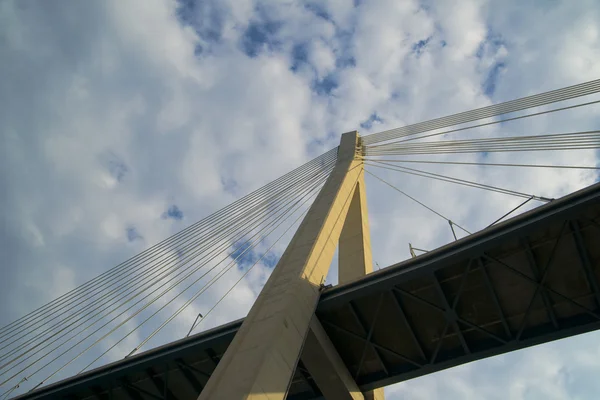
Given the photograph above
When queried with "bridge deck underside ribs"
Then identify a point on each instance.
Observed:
(528, 290)
(529, 280)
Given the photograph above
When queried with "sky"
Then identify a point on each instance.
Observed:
(123, 122)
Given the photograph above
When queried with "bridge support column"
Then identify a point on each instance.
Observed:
(354, 256)
(355, 261)
(260, 361)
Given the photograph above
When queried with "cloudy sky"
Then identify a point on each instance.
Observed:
(123, 122)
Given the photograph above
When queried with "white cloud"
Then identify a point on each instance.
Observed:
(114, 111)
(322, 58)
(549, 371)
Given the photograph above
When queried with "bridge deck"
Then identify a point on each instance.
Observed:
(532, 279)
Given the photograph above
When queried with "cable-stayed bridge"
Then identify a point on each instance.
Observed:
(519, 282)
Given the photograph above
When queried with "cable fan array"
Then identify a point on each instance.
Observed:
(381, 149)
(562, 141)
(149, 286)
(571, 92)
(394, 140)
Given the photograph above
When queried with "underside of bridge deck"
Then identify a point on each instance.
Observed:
(532, 279)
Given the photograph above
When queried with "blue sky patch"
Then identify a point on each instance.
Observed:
(344, 54)
(242, 254)
(299, 56)
(246, 257)
(398, 95)
(133, 234)
(318, 9)
(204, 17)
(117, 169)
(480, 50)
(114, 164)
(186, 11)
(368, 124)
(173, 212)
(419, 47)
(345, 61)
(259, 36)
(490, 45)
(270, 260)
(230, 185)
(326, 85)
(489, 85)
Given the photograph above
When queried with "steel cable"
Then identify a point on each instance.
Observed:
(570, 92)
(561, 141)
(482, 164)
(463, 182)
(147, 277)
(126, 310)
(70, 327)
(492, 123)
(207, 220)
(194, 325)
(136, 303)
(416, 201)
(137, 312)
(303, 197)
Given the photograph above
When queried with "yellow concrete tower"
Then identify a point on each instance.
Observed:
(281, 326)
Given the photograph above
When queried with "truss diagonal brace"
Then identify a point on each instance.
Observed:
(533, 266)
(459, 319)
(585, 261)
(450, 311)
(377, 346)
(494, 296)
(189, 376)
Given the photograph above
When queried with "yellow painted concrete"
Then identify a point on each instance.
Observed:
(326, 366)
(261, 359)
(355, 258)
(376, 394)
(319, 356)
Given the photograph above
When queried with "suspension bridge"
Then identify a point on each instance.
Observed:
(521, 281)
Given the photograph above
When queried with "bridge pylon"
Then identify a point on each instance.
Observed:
(281, 327)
